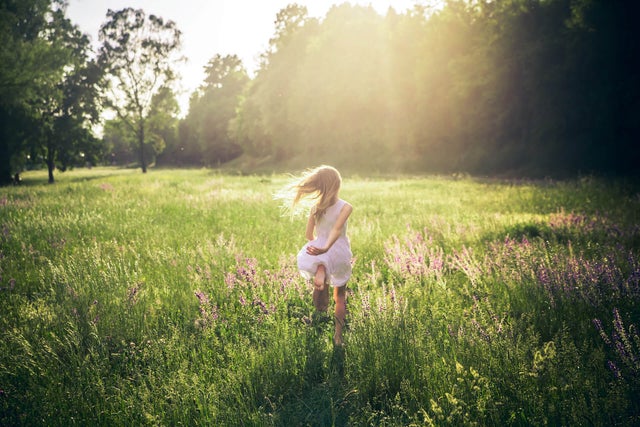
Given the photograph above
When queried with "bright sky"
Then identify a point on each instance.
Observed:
(210, 27)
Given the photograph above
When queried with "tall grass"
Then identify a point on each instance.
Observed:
(172, 298)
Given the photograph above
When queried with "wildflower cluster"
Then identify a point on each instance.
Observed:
(485, 323)
(562, 220)
(415, 257)
(208, 311)
(625, 344)
(578, 278)
(388, 302)
(252, 286)
(558, 273)
(563, 275)
(251, 295)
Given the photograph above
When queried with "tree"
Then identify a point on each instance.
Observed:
(341, 95)
(138, 55)
(212, 108)
(323, 90)
(262, 125)
(536, 87)
(68, 106)
(162, 124)
(40, 50)
(117, 142)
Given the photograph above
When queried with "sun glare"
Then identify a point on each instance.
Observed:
(221, 27)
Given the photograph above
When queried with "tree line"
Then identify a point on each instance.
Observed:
(530, 87)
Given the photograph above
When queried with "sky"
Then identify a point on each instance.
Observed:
(211, 27)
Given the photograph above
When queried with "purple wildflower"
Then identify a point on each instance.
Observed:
(598, 324)
(614, 369)
(366, 305)
(257, 302)
(483, 333)
(202, 297)
(414, 257)
(392, 295)
(626, 344)
(208, 311)
(230, 280)
(246, 269)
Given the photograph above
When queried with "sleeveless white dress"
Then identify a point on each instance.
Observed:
(337, 260)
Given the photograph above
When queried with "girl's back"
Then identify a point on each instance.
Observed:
(326, 221)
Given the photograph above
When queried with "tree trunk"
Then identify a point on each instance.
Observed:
(5, 163)
(50, 163)
(143, 162)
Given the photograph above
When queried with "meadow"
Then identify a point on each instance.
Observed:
(172, 298)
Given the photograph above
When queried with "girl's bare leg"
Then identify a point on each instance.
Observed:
(320, 290)
(339, 296)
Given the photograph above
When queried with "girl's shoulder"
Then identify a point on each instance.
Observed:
(344, 204)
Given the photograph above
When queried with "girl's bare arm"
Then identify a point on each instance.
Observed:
(311, 225)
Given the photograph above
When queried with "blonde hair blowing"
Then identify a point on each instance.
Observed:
(321, 183)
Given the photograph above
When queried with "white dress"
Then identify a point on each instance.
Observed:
(337, 260)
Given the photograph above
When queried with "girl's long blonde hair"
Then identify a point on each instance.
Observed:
(321, 183)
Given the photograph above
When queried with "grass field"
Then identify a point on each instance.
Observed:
(172, 298)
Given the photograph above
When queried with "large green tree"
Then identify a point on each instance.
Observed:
(67, 107)
(161, 126)
(212, 107)
(21, 49)
(342, 96)
(45, 84)
(265, 125)
(139, 55)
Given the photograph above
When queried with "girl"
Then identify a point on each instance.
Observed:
(327, 255)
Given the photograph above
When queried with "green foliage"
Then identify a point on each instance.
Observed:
(173, 298)
(510, 86)
(120, 143)
(137, 55)
(47, 88)
(527, 87)
(205, 132)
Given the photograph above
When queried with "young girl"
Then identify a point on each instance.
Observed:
(327, 255)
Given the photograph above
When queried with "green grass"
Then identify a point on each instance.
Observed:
(172, 298)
